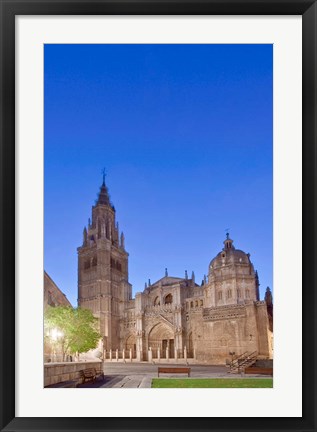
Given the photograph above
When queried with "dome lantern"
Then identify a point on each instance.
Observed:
(228, 243)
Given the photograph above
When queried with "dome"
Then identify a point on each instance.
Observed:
(229, 255)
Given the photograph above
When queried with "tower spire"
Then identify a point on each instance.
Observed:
(103, 176)
(85, 237)
(103, 196)
(122, 240)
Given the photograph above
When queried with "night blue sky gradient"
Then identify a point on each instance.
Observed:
(185, 134)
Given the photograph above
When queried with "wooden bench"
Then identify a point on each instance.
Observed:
(173, 370)
(90, 374)
(258, 371)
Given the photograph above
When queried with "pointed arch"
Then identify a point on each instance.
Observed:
(190, 345)
(157, 301)
(168, 299)
(161, 337)
(130, 343)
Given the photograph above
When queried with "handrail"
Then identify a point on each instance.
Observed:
(237, 358)
(250, 359)
(243, 360)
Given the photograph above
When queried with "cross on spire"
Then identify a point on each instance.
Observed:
(103, 175)
(103, 196)
(228, 242)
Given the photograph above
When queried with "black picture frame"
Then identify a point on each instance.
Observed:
(9, 10)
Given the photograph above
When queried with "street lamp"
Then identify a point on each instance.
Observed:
(55, 334)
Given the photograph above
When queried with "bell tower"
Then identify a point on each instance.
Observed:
(103, 285)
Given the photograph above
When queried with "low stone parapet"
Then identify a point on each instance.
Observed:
(59, 372)
(264, 363)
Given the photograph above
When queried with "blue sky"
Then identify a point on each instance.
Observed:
(185, 134)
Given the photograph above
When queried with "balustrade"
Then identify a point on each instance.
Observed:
(156, 354)
(160, 308)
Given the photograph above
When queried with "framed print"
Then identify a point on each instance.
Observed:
(195, 124)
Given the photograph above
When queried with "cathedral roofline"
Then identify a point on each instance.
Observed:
(169, 280)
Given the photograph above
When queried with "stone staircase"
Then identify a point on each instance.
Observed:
(243, 361)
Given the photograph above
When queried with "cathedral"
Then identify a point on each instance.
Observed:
(174, 318)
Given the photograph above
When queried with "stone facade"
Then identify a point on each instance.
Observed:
(173, 318)
(53, 296)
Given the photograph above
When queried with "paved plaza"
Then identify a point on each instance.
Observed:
(140, 375)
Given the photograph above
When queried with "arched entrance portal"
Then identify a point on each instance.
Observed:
(190, 345)
(161, 337)
(131, 344)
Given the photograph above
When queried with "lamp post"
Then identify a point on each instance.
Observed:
(55, 335)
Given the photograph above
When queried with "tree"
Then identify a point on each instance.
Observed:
(73, 330)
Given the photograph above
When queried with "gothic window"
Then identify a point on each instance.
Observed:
(220, 295)
(247, 293)
(87, 264)
(196, 303)
(118, 266)
(238, 293)
(94, 261)
(112, 263)
(168, 299)
(191, 304)
(157, 301)
(201, 303)
(229, 293)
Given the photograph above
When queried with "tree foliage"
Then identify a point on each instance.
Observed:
(74, 330)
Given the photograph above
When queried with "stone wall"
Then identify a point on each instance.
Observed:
(221, 330)
(59, 372)
(53, 296)
(264, 363)
(263, 330)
